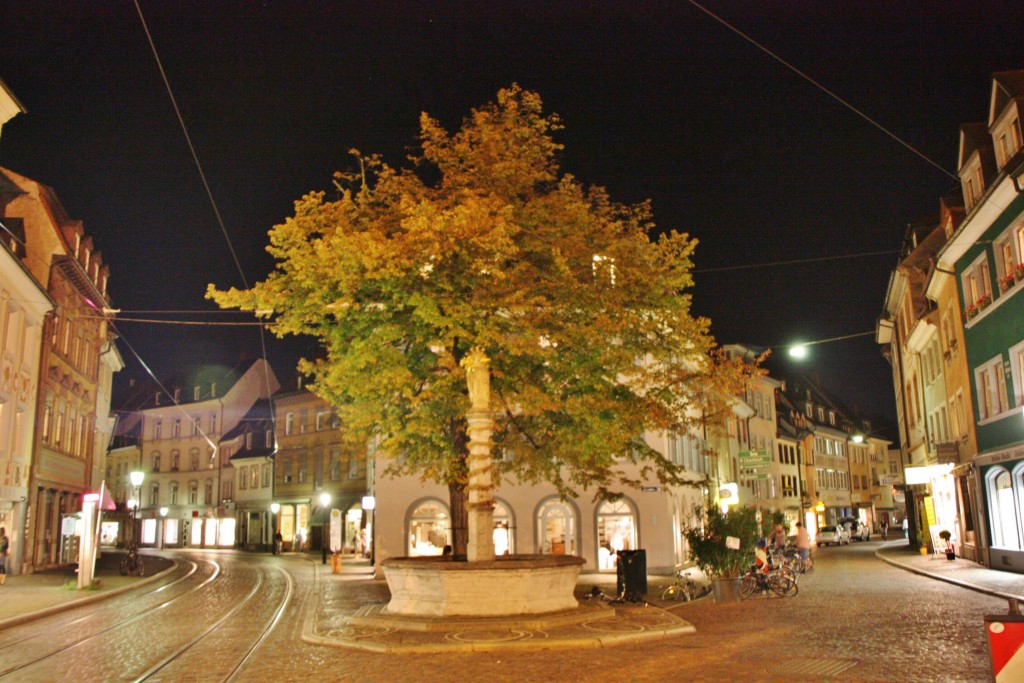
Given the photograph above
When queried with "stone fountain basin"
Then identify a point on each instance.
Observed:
(517, 584)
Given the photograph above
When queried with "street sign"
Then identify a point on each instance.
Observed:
(754, 459)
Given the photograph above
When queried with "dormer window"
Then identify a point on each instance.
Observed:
(1007, 138)
(196, 393)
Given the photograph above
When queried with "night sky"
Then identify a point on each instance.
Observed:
(659, 101)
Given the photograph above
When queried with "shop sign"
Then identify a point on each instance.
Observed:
(650, 489)
(754, 459)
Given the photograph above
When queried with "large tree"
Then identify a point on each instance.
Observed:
(482, 241)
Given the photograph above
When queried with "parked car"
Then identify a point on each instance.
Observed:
(832, 535)
(860, 532)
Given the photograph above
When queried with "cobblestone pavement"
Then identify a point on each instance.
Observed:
(856, 618)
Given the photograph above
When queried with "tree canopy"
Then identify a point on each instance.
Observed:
(482, 240)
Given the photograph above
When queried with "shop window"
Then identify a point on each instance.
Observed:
(1002, 509)
(556, 524)
(429, 529)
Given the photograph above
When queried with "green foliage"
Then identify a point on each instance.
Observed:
(580, 304)
(707, 541)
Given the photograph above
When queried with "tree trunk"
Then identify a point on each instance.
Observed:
(457, 498)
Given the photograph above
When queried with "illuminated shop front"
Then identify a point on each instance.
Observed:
(1002, 485)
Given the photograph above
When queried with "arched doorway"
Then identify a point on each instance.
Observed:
(504, 538)
(616, 530)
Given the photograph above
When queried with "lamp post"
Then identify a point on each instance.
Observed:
(274, 509)
(325, 500)
(163, 528)
(136, 478)
(370, 504)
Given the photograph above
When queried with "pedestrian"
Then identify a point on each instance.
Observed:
(278, 539)
(778, 537)
(5, 545)
(803, 544)
(885, 529)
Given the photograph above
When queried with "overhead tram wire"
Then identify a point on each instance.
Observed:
(825, 90)
(206, 186)
(791, 262)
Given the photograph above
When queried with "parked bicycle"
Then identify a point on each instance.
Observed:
(684, 588)
(777, 579)
(132, 564)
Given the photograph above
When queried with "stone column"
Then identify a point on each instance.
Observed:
(480, 545)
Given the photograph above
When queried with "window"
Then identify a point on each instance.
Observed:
(991, 385)
(174, 493)
(267, 471)
(175, 461)
(196, 429)
(322, 420)
(243, 479)
(254, 476)
(193, 459)
(193, 492)
(208, 493)
(195, 394)
(335, 465)
(976, 281)
(213, 423)
(353, 467)
(289, 423)
(154, 495)
(302, 462)
(156, 461)
(228, 490)
(1017, 368)
(176, 429)
(248, 440)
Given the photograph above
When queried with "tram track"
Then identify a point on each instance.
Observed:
(234, 608)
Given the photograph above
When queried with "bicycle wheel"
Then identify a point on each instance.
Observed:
(673, 592)
(139, 568)
(748, 586)
(783, 585)
(124, 567)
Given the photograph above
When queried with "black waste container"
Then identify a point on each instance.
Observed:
(631, 575)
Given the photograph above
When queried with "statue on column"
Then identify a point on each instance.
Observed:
(478, 377)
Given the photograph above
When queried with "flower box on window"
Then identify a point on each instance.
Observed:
(1006, 282)
(971, 311)
(984, 301)
(1018, 272)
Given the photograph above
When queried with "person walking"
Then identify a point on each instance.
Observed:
(885, 529)
(803, 544)
(5, 545)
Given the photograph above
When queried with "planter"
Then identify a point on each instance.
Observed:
(726, 590)
(950, 555)
(923, 550)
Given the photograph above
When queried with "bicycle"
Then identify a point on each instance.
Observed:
(779, 580)
(132, 564)
(683, 588)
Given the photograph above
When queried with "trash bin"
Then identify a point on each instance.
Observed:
(1006, 645)
(631, 575)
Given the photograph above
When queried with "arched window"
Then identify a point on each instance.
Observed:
(174, 493)
(556, 528)
(1005, 533)
(156, 461)
(504, 537)
(616, 530)
(429, 528)
(193, 492)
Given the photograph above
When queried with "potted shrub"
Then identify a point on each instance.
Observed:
(710, 550)
(947, 538)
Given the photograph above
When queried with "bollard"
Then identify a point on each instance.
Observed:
(335, 563)
(1006, 646)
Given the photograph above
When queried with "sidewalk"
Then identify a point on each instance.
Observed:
(959, 572)
(31, 596)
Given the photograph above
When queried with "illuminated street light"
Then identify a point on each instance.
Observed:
(798, 351)
(274, 509)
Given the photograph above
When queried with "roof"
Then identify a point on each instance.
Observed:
(258, 421)
(141, 395)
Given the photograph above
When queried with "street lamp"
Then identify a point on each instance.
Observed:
(136, 478)
(325, 500)
(370, 504)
